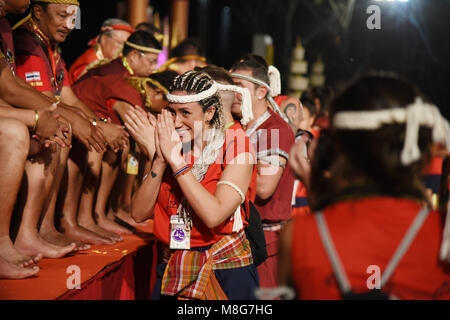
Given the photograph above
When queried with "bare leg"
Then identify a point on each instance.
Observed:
(40, 172)
(47, 229)
(110, 168)
(14, 146)
(88, 196)
(70, 197)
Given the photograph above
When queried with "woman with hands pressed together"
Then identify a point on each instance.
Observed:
(195, 198)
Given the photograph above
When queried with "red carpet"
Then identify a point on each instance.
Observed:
(124, 271)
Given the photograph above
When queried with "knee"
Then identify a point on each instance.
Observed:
(14, 135)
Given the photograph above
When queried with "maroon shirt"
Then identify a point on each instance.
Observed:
(101, 85)
(275, 137)
(27, 44)
(7, 43)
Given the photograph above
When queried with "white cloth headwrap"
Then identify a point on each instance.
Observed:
(414, 115)
(274, 87)
(246, 106)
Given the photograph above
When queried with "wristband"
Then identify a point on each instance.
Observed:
(182, 171)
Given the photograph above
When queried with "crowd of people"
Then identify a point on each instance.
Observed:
(248, 189)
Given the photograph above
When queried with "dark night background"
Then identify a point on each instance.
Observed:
(414, 39)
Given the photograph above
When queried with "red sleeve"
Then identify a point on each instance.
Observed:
(33, 70)
(275, 139)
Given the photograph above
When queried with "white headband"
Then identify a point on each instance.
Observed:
(246, 105)
(274, 88)
(274, 79)
(414, 115)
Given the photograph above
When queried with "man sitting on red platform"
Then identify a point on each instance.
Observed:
(106, 46)
(40, 65)
(108, 92)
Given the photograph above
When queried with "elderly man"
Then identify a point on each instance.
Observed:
(106, 46)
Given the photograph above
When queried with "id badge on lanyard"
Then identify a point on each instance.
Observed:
(180, 234)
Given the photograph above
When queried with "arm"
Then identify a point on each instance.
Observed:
(268, 178)
(25, 116)
(121, 108)
(17, 93)
(115, 135)
(212, 209)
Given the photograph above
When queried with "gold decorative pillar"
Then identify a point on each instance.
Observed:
(179, 17)
(137, 11)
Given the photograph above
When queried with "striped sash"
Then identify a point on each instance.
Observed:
(190, 274)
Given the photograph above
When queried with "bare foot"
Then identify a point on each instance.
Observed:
(92, 226)
(10, 254)
(79, 233)
(126, 217)
(32, 244)
(112, 226)
(57, 238)
(10, 270)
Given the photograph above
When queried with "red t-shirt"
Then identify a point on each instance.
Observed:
(367, 232)
(81, 63)
(170, 195)
(275, 137)
(34, 71)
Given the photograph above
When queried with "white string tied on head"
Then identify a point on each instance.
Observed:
(269, 96)
(414, 115)
(246, 105)
(274, 81)
(237, 224)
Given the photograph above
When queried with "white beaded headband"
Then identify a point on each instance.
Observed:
(414, 115)
(246, 106)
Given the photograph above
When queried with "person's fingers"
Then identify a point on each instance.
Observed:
(130, 120)
(131, 125)
(61, 142)
(62, 139)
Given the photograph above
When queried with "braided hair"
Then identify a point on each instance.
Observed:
(194, 82)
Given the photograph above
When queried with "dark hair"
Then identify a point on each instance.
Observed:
(189, 46)
(374, 155)
(149, 27)
(254, 63)
(217, 73)
(195, 82)
(325, 95)
(165, 78)
(307, 100)
(141, 38)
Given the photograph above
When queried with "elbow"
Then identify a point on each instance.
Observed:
(264, 193)
(140, 216)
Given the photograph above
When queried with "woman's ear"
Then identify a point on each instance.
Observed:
(209, 114)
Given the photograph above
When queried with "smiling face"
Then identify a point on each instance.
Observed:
(191, 122)
(55, 21)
